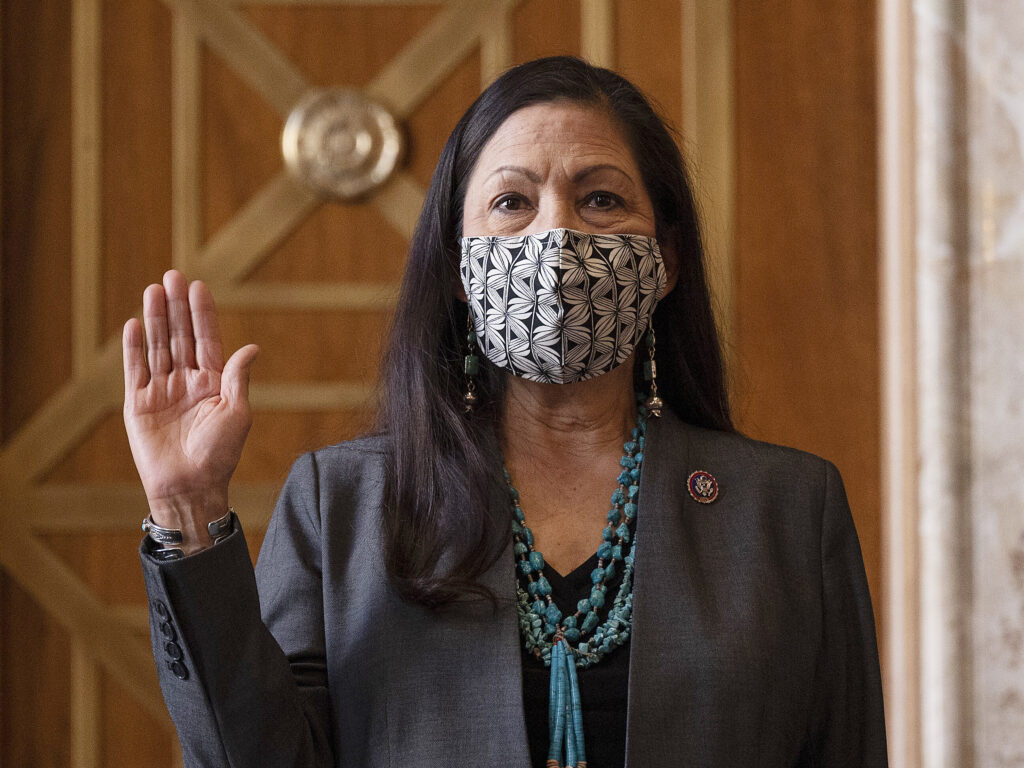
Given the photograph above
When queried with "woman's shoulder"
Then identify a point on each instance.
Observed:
(758, 467)
(368, 447)
(739, 447)
(349, 463)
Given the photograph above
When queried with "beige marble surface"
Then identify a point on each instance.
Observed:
(994, 52)
(968, 84)
(994, 33)
(942, 387)
(997, 504)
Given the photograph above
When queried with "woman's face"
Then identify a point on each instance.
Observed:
(557, 165)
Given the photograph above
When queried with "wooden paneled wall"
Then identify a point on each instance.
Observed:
(806, 345)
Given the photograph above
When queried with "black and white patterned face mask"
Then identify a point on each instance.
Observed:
(561, 306)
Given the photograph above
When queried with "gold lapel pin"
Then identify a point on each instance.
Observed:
(702, 486)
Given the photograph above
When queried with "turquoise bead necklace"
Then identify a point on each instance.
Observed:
(564, 643)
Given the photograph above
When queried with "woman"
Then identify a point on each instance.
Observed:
(714, 613)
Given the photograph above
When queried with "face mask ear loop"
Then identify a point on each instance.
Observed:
(471, 364)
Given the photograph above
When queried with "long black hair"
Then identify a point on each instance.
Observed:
(444, 523)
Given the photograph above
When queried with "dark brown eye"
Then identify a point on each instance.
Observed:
(510, 203)
(602, 200)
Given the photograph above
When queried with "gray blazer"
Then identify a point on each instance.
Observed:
(753, 639)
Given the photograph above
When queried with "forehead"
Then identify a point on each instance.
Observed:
(561, 133)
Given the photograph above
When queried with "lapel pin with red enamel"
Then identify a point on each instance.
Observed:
(702, 486)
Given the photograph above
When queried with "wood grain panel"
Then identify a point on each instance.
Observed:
(35, 659)
(86, 184)
(278, 438)
(36, 226)
(2, 194)
(342, 45)
(106, 561)
(136, 154)
(806, 251)
(255, 230)
(643, 26)
(64, 421)
(597, 32)
(496, 48)
(186, 120)
(318, 346)
(107, 441)
(145, 742)
(431, 122)
(84, 685)
(338, 243)
(240, 143)
(543, 28)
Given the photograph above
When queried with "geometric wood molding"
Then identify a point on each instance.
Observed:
(709, 136)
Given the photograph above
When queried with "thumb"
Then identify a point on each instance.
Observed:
(234, 385)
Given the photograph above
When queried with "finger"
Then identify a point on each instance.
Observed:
(209, 351)
(154, 316)
(234, 384)
(179, 320)
(136, 372)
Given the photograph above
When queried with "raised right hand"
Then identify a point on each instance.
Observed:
(186, 411)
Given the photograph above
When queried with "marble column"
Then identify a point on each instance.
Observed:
(993, 44)
(953, 213)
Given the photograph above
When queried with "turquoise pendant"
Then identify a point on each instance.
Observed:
(565, 715)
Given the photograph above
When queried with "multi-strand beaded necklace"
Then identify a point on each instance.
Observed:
(580, 640)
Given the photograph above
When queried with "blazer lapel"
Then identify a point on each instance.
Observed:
(651, 734)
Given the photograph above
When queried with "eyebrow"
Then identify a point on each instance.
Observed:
(591, 169)
(577, 177)
(516, 169)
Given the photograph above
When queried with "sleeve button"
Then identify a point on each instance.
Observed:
(161, 609)
(173, 650)
(168, 631)
(180, 670)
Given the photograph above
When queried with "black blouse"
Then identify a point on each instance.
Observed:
(603, 687)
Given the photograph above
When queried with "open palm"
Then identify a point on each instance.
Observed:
(186, 410)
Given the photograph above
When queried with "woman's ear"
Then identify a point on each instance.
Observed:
(670, 258)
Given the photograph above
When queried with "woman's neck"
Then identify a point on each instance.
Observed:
(569, 423)
(562, 445)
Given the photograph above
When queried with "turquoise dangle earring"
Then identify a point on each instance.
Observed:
(654, 404)
(471, 364)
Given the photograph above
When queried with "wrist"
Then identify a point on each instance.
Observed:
(189, 512)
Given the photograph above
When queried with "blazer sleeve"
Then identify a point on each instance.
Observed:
(848, 726)
(238, 695)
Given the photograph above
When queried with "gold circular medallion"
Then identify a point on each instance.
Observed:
(341, 144)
